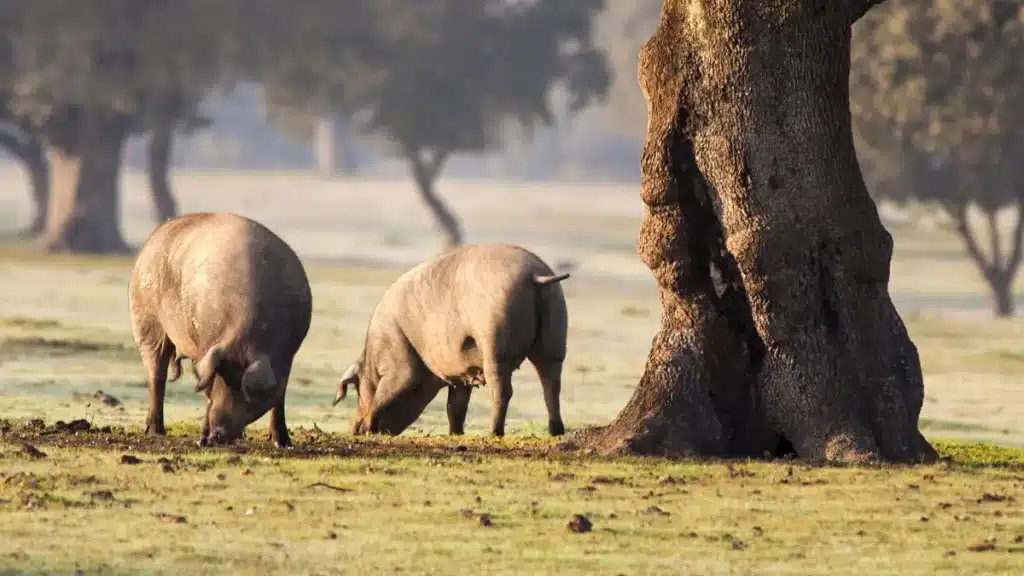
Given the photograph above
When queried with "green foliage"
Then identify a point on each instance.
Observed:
(441, 76)
(935, 100)
(934, 95)
(118, 58)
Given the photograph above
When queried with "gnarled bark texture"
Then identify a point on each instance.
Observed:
(777, 327)
(85, 152)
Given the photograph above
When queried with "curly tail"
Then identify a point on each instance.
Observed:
(545, 280)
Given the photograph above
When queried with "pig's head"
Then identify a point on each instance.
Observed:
(384, 406)
(235, 397)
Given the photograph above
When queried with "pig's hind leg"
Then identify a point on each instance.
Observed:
(458, 406)
(157, 351)
(498, 376)
(550, 373)
(278, 425)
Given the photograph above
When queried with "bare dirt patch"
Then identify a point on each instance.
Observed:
(79, 434)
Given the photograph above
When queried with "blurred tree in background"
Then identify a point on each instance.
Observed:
(936, 99)
(81, 77)
(428, 79)
(621, 30)
(443, 77)
(933, 95)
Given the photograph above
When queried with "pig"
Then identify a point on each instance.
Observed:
(233, 297)
(466, 318)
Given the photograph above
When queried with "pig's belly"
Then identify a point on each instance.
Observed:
(179, 328)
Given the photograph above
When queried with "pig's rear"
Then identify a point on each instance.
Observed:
(220, 276)
(481, 301)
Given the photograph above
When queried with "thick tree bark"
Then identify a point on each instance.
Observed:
(161, 147)
(85, 161)
(777, 327)
(425, 170)
(997, 271)
(29, 150)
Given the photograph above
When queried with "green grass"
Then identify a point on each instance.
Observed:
(418, 510)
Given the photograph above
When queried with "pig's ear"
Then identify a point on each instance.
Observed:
(206, 369)
(258, 378)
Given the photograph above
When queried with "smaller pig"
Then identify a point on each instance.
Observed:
(468, 317)
(230, 295)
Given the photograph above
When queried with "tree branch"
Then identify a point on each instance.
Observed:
(425, 171)
(1018, 238)
(858, 8)
(13, 144)
(958, 210)
(425, 165)
(995, 243)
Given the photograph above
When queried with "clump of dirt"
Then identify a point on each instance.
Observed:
(172, 518)
(987, 497)
(101, 495)
(107, 399)
(31, 451)
(580, 524)
(653, 511)
(60, 426)
(25, 480)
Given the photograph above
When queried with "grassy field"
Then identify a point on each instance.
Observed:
(410, 505)
(115, 502)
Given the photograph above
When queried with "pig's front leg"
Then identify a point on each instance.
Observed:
(204, 429)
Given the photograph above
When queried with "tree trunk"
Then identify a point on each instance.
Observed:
(84, 209)
(777, 328)
(161, 147)
(29, 150)
(1003, 304)
(425, 170)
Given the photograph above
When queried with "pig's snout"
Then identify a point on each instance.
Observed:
(220, 435)
(362, 427)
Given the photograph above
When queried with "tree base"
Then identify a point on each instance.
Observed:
(81, 240)
(613, 441)
(33, 230)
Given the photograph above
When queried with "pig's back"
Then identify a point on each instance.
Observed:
(219, 273)
(482, 292)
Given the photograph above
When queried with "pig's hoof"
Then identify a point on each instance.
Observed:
(556, 428)
(204, 441)
(283, 443)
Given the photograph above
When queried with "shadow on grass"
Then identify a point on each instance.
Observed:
(17, 249)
